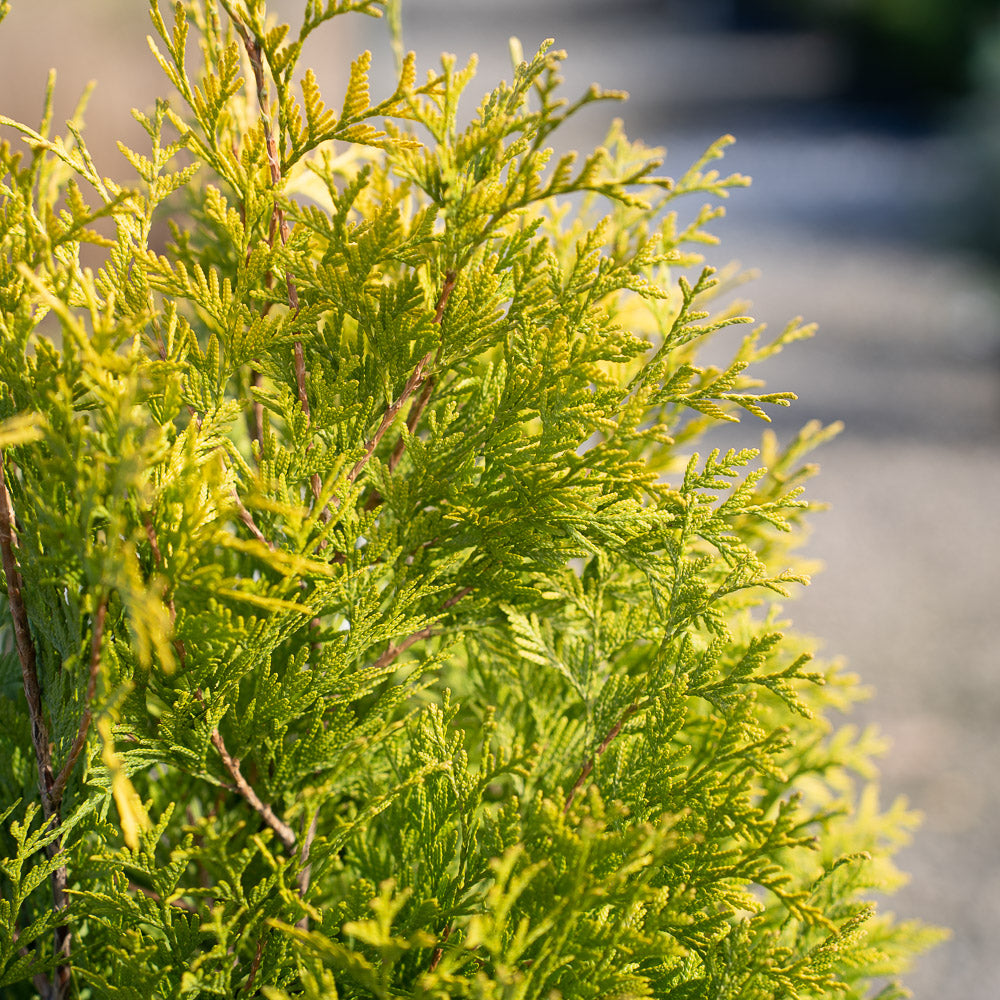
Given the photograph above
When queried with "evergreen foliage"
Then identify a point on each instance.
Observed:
(369, 627)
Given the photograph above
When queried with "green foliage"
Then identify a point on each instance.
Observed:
(389, 639)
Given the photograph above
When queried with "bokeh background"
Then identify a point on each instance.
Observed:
(871, 130)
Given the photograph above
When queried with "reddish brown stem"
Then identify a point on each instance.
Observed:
(455, 598)
(255, 964)
(285, 833)
(588, 765)
(247, 518)
(417, 412)
(411, 423)
(59, 986)
(390, 414)
(426, 632)
(395, 648)
(255, 422)
(439, 950)
(305, 872)
(415, 379)
(300, 380)
(81, 734)
(154, 542)
(279, 223)
(25, 647)
(157, 555)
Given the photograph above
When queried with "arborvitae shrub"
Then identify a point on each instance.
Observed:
(370, 628)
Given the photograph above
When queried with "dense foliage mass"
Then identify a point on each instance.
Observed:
(370, 628)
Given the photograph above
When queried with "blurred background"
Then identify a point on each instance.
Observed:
(871, 130)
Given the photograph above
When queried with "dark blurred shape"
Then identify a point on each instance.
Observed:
(908, 56)
(906, 59)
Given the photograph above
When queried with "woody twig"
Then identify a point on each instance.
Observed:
(421, 404)
(417, 378)
(396, 648)
(285, 833)
(279, 228)
(58, 987)
(81, 734)
(231, 764)
(588, 765)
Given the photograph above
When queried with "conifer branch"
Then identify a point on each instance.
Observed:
(588, 765)
(570, 370)
(278, 226)
(81, 736)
